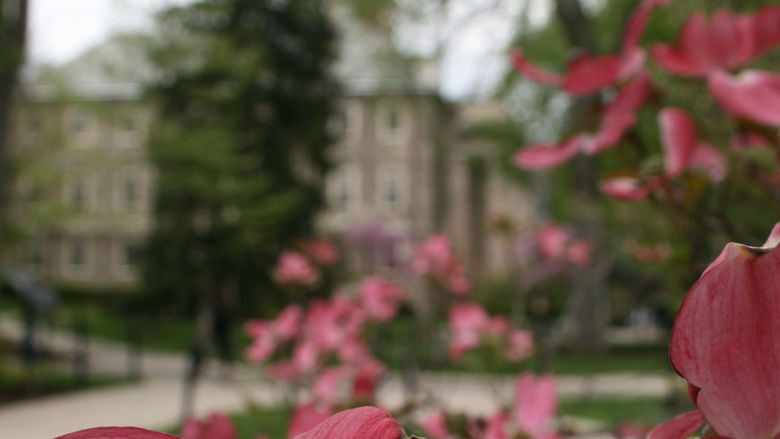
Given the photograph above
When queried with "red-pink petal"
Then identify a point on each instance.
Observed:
(710, 161)
(540, 156)
(306, 417)
(529, 70)
(678, 428)
(678, 138)
(638, 22)
(435, 426)
(754, 94)
(587, 74)
(631, 97)
(676, 61)
(726, 341)
(551, 240)
(766, 28)
(579, 252)
(496, 426)
(610, 132)
(116, 433)
(536, 401)
(629, 188)
(217, 426)
(632, 63)
(359, 423)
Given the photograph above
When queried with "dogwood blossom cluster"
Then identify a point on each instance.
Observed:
(709, 47)
(470, 325)
(535, 405)
(435, 258)
(302, 268)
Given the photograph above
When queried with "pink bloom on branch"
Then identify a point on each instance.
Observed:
(587, 75)
(551, 240)
(288, 322)
(726, 341)
(630, 188)
(754, 95)
(326, 386)
(293, 269)
(725, 40)
(536, 401)
(435, 426)
(766, 29)
(542, 156)
(321, 251)
(631, 96)
(638, 22)
(359, 423)
(520, 345)
(529, 70)
(678, 428)
(306, 417)
(678, 138)
(380, 298)
(710, 161)
(217, 426)
(116, 433)
(579, 252)
(496, 426)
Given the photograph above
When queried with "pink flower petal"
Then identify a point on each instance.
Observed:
(435, 426)
(217, 426)
(678, 428)
(326, 386)
(305, 418)
(610, 132)
(520, 345)
(536, 401)
(676, 61)
(726, 341)
(359, 423)
(632, 63)
(678, 137)
(754, 94)
(116, 433)
(587, 74)
(579, 253)
(529, 70)
(631, 97)
(540, 156)
(496, 426)
(708, 160)
(629, 188)
(551, 240)
(294, 269)
(766, 30)
(638, 22)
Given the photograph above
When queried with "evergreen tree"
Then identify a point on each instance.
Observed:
(239, 144)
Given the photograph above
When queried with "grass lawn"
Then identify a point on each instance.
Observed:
(647, 411)
(17, 383)
(389, 342)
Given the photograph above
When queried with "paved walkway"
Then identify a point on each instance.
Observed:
(155, 401)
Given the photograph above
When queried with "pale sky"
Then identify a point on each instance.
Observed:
(61, 29)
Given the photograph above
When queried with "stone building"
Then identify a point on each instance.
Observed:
(84, 189)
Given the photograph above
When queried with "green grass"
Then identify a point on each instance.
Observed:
(611, 412)
(389, 342)
(18, 383)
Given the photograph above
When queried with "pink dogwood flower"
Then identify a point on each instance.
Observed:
(307, 416)
(723, 41)
(435, 426)
(117, 433)
(726, 344)
(380, 298)
(358, 423)
(321, 251)
(536, 401)
(436, 258)
(754, 95)
(217, 426)
(294, 269)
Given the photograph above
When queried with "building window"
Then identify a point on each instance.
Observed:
(130, 194)
(344, 188)
(77, 196)
(391, 188)
(392, 122)
(130, 255)
(76, 256)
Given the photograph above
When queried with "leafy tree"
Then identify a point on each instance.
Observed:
(13, 28)
(240, 145)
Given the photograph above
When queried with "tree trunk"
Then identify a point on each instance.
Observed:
(13, 27)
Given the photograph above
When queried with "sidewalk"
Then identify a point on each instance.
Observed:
(155, 401)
